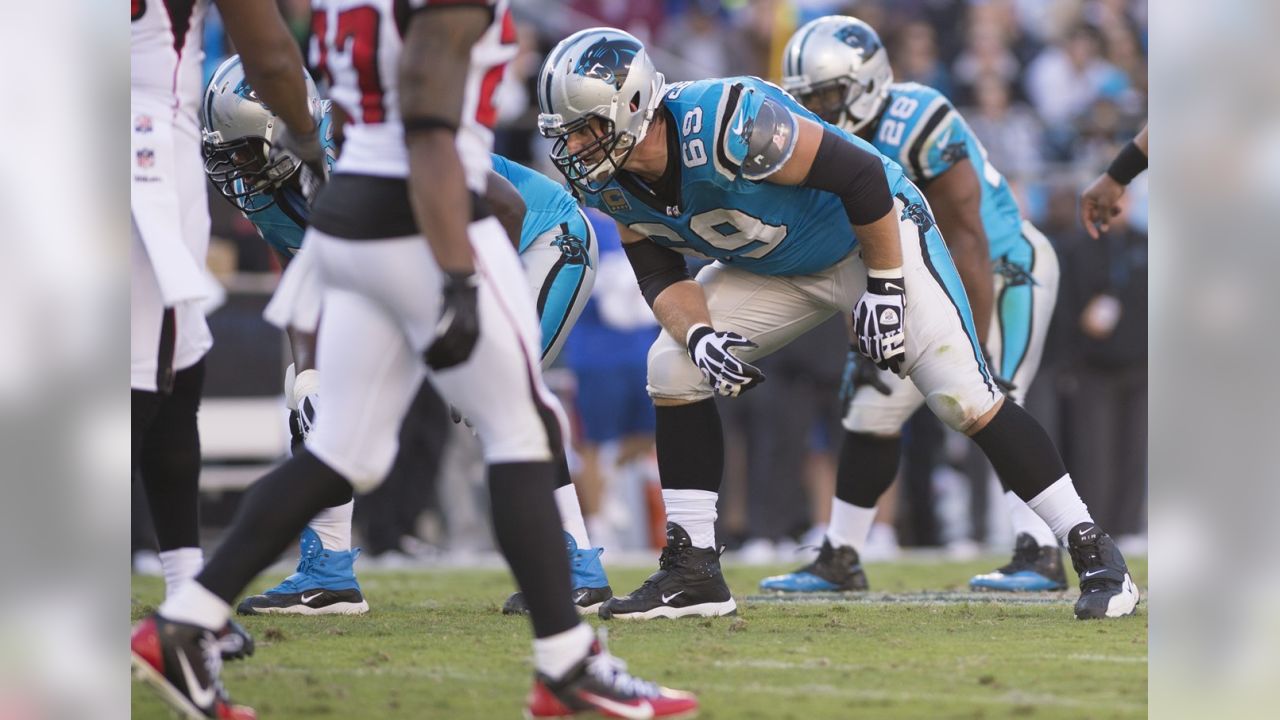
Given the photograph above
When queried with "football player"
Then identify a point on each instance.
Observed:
(837, 67)
(419, 283)
(1099, 201)
(560, 257)
(169, 219)
(802, 221)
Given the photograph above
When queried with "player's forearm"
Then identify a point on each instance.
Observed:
(507, 205)
(973, 262)
(681, 306)
(881, 246)
(440, 199)
(432, 73)
(303, 346)
(1141, 141)
(272, 61)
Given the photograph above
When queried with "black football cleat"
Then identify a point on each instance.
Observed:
(234, 641)
(837, 569)
(1034, 568)
(183, 663)
(688, 583)
(1106, 590)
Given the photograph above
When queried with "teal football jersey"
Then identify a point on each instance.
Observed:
(926, 135)
(547, 203)
(757, 226)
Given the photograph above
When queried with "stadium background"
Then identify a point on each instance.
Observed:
(1053, 88)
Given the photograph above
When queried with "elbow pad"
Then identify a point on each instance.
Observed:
(656, 267)
(855, 175)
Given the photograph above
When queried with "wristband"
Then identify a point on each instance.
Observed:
(1130, 163)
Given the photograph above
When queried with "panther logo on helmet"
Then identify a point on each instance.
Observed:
(857, 37)
(609, 59)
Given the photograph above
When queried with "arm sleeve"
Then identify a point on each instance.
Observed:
(853, 174)
(656, 267)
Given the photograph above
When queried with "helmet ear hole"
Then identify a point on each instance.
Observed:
(635, 102)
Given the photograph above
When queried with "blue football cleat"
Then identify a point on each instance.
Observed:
(1032, 569)
(586, 577)
(324, 584)
(837, 569)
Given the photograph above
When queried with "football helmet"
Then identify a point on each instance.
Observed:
(237, 129)
(599, 73)
(838, 68)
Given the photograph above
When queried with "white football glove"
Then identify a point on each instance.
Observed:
(879, 319)
(711, 352)
(306, 400)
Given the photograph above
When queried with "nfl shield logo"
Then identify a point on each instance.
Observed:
(146, 158)
(142, 124)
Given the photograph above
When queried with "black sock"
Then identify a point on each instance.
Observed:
(868, 464)
(563, 477)
(527, 525)
(270, 517)
(690, 446)
(168, 459)
(1020, 451)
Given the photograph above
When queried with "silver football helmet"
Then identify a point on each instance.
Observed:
(838, 68)
(599, 73)
(237, 129)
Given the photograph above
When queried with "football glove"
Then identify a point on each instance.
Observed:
(859, 371)
(459, 326)
(712, 352)
(878, 319)
(307, 150)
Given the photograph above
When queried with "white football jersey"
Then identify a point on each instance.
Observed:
(356, 46)
(166, 52)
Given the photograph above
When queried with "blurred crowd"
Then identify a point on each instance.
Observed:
(1053, 88)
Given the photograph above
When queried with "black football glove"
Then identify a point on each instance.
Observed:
(859, 371)
(459, 326)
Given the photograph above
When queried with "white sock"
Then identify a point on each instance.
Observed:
(179, 566)
(1025, 520)
(333, 525)
(194, 604)
(1061, 507)
(695, 511)
(850, 525)
(553, 656)
(571, 515)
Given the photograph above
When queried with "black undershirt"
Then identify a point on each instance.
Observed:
(664, 192)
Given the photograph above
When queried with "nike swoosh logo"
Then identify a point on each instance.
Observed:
(201, 696)
(668, 598)
(894, 286)
(643, 711)
(737, 128)
(1091, 573)
(306, 599)
(942, 141)
(581, 595)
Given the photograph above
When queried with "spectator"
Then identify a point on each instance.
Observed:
(1104, 307)
(1067, 77)
(1010, 132)
(916, 57)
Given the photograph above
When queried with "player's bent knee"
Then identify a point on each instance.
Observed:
(365, 469)
(673, 376)
(958, 413)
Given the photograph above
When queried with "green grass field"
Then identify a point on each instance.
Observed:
(436, 646)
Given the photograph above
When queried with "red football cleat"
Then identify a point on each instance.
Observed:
(182, 663)
(600, 684)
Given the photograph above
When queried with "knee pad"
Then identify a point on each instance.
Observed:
(672, 375)
(873, 413)
(955, 412)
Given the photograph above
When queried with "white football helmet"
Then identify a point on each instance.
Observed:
(839, 69)
(597, 73)
(237, 129)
